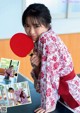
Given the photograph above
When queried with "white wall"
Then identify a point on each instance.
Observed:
(66, 26)
(10, 18)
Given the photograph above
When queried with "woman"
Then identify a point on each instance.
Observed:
(53, 70)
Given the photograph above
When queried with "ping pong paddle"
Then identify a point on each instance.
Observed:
(21, 44)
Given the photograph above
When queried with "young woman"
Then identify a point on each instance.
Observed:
(53, 70)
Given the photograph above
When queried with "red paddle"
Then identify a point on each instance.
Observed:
(21, 44)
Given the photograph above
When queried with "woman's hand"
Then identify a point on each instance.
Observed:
(35, 60)
(40, 110)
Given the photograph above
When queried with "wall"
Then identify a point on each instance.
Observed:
(71, 40)
(73, 43)
(6, 52)
(10, 16)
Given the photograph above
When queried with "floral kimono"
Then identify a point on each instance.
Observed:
(56, 77)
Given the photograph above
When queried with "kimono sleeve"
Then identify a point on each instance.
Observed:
(49, 81)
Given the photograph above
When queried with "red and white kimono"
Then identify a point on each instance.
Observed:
(57, 77)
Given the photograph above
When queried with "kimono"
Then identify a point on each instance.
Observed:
(21, 96)
(8, 73)
(56, 77)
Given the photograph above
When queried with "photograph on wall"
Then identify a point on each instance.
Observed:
(15, 94)
(9, 69)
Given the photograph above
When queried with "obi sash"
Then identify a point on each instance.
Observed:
(64, 90)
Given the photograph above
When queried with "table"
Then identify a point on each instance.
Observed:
(29, 108)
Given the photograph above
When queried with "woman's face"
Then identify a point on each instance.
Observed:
(34, 29)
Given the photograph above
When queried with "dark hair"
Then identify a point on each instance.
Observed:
(37, 11)
(11, 66)
(10, 89)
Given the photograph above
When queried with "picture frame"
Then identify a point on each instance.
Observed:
(10, 69)
(15, 94)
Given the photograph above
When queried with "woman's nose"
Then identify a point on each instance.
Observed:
(32, 31)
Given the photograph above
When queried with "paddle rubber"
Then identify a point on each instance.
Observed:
(21, 44)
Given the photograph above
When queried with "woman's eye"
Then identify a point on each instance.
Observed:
(36, 25)
(26, 25)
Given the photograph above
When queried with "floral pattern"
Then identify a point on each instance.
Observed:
(56, 62)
